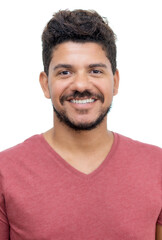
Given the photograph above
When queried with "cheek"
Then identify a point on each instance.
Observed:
(106, 88)
(58, 89)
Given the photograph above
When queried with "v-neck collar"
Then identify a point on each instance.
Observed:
(72, 169)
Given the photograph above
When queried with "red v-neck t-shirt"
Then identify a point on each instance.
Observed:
(43, 197)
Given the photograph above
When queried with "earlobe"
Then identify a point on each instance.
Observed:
(43, 79)
(116, 82)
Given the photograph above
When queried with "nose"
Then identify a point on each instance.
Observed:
(81, 82)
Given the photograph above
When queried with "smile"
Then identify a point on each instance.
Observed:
(84, 101)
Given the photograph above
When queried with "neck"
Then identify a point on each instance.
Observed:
(66, 138)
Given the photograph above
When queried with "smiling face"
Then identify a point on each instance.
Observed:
(80, 84)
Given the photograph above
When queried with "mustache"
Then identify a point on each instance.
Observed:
(85, 93)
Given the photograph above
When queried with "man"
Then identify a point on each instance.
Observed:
(79, 180)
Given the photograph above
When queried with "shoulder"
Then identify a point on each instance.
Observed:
(20, 151)
(129, 142)
(137, 148)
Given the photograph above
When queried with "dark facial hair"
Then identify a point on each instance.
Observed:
(81, 126)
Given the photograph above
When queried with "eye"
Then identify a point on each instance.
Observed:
(96, 71)
(64, 72)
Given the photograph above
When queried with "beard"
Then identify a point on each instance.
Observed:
(62, 116)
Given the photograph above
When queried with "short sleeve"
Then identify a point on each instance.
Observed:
(4, 225)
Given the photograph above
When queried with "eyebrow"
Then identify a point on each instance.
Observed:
(62, 66)
(70, 66)
(97, 65)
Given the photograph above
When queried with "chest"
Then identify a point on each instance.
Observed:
(119, 203)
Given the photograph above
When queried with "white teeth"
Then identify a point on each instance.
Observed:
(82, 101)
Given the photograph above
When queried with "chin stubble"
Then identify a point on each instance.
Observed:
(81, 126)
(62, 116)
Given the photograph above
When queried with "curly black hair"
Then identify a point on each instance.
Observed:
(78, 26)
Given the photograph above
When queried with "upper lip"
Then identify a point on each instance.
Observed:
(80, 98)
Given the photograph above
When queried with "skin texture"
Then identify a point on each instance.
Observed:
(80, 75)
(158, 232)
(63, 81)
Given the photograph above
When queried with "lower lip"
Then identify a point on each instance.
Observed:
(83, 105)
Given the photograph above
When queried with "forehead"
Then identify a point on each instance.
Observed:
(78, 53)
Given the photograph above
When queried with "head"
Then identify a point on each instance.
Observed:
(80, 75)
(78, 26)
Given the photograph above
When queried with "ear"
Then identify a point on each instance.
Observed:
(116, 82)
(43, 79)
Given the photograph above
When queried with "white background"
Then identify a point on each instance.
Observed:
(136, 110)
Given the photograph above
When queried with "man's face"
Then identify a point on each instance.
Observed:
(80, 84)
